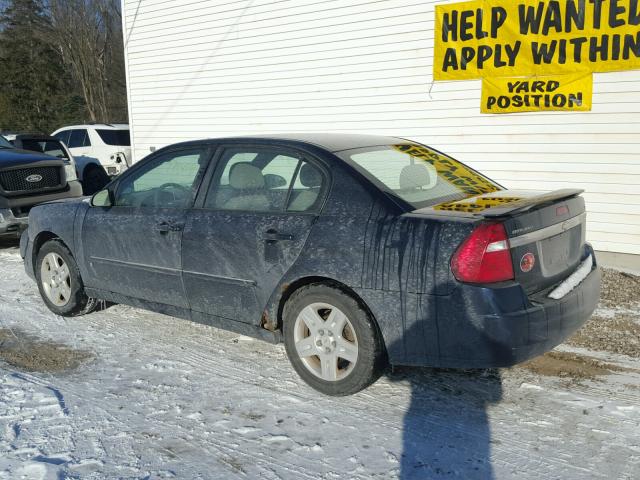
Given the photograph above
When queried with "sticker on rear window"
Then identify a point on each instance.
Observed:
(465, 179)
(475, 204)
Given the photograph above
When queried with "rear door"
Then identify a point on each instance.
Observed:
(249, 228)
(134, 247)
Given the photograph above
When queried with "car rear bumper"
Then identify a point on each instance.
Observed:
(114, 169)
(501, 327)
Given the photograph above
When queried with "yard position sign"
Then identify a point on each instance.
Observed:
(536, 55)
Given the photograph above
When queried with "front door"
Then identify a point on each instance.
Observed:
(79, 144)
(134, 247)
(249, 230)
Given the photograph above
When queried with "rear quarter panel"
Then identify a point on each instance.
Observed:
(396, 263)
(405, 271)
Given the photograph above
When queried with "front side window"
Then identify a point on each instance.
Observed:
(417, 174)
(79, 138)
(63, 136)
(168, 181)
(264, 181)
(115, 137)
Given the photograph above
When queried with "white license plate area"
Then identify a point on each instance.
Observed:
(573, 280)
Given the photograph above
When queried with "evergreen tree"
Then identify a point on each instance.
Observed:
(36, 90)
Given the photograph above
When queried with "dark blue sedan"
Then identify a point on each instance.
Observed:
(357, 251)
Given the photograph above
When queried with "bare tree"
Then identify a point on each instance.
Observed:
(88, 35)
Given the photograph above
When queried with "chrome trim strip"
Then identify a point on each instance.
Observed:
(173, 270)
(221, 277)
(136, 265)
(547, 232)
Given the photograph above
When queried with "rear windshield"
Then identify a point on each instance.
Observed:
(417, 174)
(115, 137)
(4, 143)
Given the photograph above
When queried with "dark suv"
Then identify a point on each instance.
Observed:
(28, 178)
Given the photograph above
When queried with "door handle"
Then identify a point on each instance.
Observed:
(163, 227)
(166, 227)
(274, 236)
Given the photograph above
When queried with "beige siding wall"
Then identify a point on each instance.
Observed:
(210, 68)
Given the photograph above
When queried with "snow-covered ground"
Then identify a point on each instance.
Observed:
(165, 398)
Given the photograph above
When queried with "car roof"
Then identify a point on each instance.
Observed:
(333, 142)
(37, 137)
(107, 126)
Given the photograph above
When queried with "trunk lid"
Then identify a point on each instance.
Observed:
(546, 230)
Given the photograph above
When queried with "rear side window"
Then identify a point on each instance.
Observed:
(115, 137)
(240, 157)
(79, 138)
(418, 175)
(265, 181)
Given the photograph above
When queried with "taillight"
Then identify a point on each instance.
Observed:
(484, 256)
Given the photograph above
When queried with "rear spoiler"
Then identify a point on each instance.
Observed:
(528, 203)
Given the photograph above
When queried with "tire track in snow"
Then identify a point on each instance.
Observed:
(244, 375)
(261, 370)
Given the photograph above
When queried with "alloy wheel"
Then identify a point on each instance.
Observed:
(325, 341)
(56, 280)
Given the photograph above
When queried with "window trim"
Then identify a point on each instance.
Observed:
(216, 169)
(207, 152)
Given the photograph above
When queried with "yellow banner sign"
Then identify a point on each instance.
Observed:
(531, 94)
(492, 38)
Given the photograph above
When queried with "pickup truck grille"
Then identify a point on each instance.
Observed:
(41, 178)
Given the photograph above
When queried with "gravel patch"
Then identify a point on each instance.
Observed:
(615, 326)
(27, 353)
(570, 365)
(619, 289)
(619, 334)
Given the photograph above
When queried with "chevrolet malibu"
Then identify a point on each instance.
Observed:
(356, 251)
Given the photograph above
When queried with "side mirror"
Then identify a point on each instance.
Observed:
(104, 198)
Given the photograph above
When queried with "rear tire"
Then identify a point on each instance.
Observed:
(332, 342)
(60, 283)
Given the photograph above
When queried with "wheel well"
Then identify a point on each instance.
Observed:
(94, 166)
(83, 165)
(41, 239)
(290, 289)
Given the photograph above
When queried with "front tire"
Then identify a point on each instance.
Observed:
(332, 342)
(60, 283)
